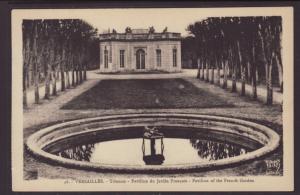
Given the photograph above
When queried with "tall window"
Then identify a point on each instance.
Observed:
(122, 58)
(110, 55)
(101, 57)
(174, 57)
(158, 57)
(105, 58)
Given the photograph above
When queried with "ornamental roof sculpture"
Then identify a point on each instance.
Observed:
(140, 34)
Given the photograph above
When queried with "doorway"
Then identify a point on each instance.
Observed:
(140, 59)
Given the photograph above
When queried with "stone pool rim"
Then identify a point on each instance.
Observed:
(35, 146)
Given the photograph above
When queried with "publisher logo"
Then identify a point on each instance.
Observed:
(273, 166)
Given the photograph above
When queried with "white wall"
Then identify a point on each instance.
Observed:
(150, 58)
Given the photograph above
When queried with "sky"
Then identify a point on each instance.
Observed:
(118, 19)
(176, 19)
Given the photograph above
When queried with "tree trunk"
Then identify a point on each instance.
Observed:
(73, 77)
(254, 87)
(253, 70)
(268, 70)
(54, 91)
(233, 71)
(57, 75)
(207, 71)
(243, 78)
(218, 74)
(24, 86)
(62, 76)
(269, 87)
(27, 78)
(36, 67)
(248, 72)
(84, 74)
(47, 83)
(202, 69)
(77, 76)
(233, 79)
(32, 76)
(225, 65)
(212, 75)
(80, 74)
(266, 73)
(198, 73)
(242, 67)
(24, 97)
(36, 86)
(269, 82)
(68, 79)
(280, 72)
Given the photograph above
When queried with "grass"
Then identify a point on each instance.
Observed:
(145, 93)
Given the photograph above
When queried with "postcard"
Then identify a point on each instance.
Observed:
(153, 99)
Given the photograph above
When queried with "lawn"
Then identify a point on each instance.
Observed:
(145, 93)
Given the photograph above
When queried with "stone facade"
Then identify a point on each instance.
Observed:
(139, 50)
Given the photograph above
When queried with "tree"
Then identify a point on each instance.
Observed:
(35, 63)
(245, 48)
(189, 49)
(52, 48)
(27, 29)
(270, 37)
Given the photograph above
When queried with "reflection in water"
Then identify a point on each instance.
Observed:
(153, 158)
(212, 150)
(176, 151)
(81, 153)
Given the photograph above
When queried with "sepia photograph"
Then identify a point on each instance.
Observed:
(152, 99)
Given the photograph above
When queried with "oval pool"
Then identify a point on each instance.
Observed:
(115, 143)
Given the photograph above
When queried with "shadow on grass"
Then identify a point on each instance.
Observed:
(145, 93)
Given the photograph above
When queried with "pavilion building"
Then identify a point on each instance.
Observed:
(140, 50)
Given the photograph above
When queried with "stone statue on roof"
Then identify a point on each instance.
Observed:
(151, 29)
(165, 30)
(128, 30)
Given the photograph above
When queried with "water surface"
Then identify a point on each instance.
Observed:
(176, 151)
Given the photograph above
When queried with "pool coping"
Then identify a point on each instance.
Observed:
(34, 144)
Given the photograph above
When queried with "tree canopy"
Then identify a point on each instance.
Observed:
(245, 47)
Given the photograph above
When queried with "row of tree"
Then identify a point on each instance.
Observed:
(56, 48)
(243, 47)
(189, 52)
